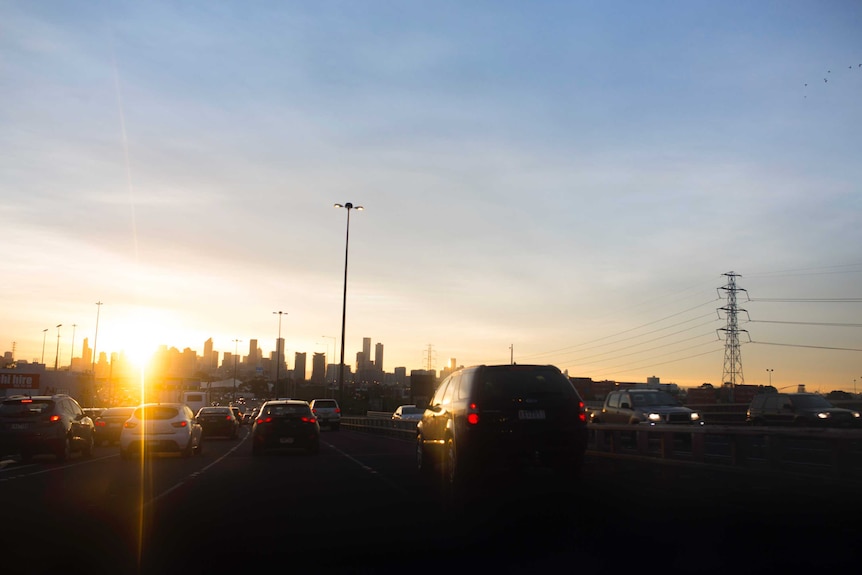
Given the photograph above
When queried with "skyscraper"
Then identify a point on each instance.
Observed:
(378, 356)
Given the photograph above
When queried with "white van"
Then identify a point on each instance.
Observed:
(195, 400)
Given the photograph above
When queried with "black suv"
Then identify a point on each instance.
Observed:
(491, 418)
(799, 409)
(53, 424)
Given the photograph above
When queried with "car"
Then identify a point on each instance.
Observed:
(161, 428)
(93, 412)
(45, 424)
(327, 412)
(237, 413)
(408, 413)
(799, 410)
(285, 424)
(218, 421)
(498, 420)
(644, 405)
(110, 423)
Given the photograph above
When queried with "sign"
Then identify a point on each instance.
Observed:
(19, 381)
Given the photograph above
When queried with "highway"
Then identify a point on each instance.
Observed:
(359, 507)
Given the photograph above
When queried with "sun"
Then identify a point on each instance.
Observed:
(142, 333)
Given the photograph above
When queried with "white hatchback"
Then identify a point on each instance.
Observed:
(161, 427)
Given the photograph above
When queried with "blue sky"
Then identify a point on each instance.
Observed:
(559, 182)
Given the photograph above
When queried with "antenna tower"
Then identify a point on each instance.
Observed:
(732, 372)
(429, 358)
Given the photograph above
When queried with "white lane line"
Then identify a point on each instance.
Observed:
(370, 470)
(194, 475)
(49, 469)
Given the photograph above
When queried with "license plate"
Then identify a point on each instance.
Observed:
(287, 440)
(531, 414)
(19, 426)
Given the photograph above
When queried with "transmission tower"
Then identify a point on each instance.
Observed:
(732, 372)
(430, 358)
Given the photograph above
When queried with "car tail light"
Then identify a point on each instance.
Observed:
(99, 423)
(130, 425)
(227, 417)
(306, 419)
(182, 423)
(54, 418)
(264, 420)
(337, 410)
(472, 415)
(582, 414)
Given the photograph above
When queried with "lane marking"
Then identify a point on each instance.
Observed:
(370, 470)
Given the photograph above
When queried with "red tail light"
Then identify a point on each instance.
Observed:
(129, 424)
(264, 420)
(54, 418)
(472, 415)
(182, 423)
(99, 423)
(306, 419)
(227, 417)
(337, 410)
(582, 414)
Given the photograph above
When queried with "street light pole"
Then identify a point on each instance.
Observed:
(348, 206)
(95, 346)
(769, 371)
(72, 355)
(278, 359)
(57, 357)
(235, 352)
(44, 337)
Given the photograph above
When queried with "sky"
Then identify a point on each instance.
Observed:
(542, 182)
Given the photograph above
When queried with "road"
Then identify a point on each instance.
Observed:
(359, 507)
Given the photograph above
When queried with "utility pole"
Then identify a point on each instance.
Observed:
(732, 372)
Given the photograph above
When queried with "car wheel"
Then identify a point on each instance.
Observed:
(452, 474)
(200, 447)
(187, 452)
(64, 450)
(87, 450)
(423, 464)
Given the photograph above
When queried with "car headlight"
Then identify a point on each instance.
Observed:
(856, 414)
(653, 417)
(823, 415)
(695, 416)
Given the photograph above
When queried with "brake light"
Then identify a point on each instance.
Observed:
(266, 420)
(472, 415)
(582, 413)
(337, 410)
(227, 417)
(99, 424)
(306, 419)
(130, 424)
(26, 401)
(54, 418)
(182, 423)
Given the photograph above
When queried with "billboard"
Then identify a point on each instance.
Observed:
(22, 381)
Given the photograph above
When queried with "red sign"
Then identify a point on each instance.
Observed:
(19, 381)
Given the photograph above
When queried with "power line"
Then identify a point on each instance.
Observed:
(807, 346)
(811, 300)
(807, 323)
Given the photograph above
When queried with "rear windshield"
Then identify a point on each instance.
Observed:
(811, 401)
(216, 410)
(117, 411)
(156, 412)
(325, 403)
(411, 410)
(290, 409)
(507, 382)
(657, 398)
(25, 407)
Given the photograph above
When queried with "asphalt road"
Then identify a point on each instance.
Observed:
(359, 507)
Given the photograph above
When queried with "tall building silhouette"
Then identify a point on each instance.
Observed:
(378, 356)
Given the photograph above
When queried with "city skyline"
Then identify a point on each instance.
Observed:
(554, 183)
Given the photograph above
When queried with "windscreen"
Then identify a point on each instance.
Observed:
(25, 408)
(506, 383)
(156, 412)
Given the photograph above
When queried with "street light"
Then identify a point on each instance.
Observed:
(278, 359)
(57, 357)
(348, 206)
(236, 343)
(769, 371)
(44, 337)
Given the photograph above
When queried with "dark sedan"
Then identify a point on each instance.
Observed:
(285, 424)
(110, 423)
(218, 422)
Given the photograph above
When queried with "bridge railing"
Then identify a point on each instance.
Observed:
(835, 453)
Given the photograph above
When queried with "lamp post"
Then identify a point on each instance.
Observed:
(235, 352)
(44, 337)
(348, 206)
(278, 359)
(57, 357)
(769, 371)
(72, 355)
